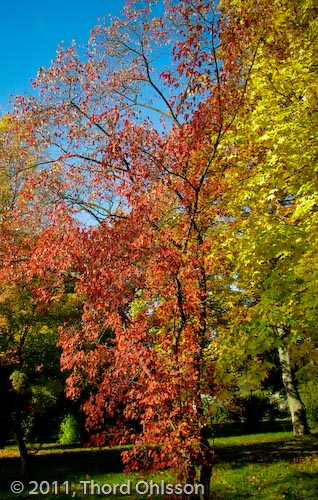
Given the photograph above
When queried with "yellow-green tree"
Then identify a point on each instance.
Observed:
(271, 235)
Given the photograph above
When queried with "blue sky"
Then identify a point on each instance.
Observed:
(31, 31)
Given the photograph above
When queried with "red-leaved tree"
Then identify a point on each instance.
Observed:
(133, 129)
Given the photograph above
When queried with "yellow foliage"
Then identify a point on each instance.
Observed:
(271, 235)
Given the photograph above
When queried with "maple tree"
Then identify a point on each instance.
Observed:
(274, 204)
(152, 185)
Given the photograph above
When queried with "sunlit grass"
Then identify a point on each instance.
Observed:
(266, 467)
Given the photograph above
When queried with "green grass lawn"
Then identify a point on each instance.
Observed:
(262, 466)
(266, 467)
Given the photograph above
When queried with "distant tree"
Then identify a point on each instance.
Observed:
(30, 361)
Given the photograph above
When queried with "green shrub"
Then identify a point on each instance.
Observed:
(249, 408)
(69, 430)
(309, 396)
(19, 382)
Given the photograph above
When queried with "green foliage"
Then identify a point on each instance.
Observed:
(250, 408)
(309, 396)
(255, 407)
(43, 398)
(223, 412)
(19, 382)
(69, 430)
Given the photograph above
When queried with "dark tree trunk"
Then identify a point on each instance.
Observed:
(191, 476)
(207, 458)
(24, 454)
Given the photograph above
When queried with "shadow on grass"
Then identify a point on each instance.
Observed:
(74, 461)
(291, 449)
(66, 465)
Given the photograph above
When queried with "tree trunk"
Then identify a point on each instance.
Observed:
(207, 458)
(296, 407)
(24, 454)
